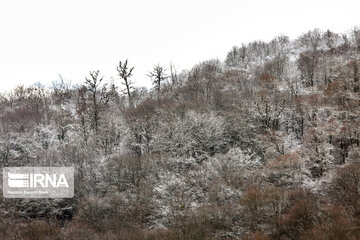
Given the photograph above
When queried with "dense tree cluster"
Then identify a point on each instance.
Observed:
(264, 145)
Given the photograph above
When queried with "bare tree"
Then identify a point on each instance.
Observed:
(99, 95)
(232, 57)
(61, 89)
(125, 73)
(173, 74)
(81, 107)
(354, 72)
(269, 102)
(346, 42)
(331, 39)
(311, 39)
(158, 76)
(355, 35)
(307, 64)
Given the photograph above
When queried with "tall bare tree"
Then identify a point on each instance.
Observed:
(158, 75)
(98, 94)
(173, 74)
(81, 107)
(125, 73)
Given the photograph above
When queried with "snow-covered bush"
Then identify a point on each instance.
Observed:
(194, 135)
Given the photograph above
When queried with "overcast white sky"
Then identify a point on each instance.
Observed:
(40, 39)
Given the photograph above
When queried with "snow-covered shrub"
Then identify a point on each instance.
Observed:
(194, 135)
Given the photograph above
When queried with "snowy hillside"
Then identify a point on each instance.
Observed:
(264, 145)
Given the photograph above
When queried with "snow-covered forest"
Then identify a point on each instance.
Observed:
(264, 145)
